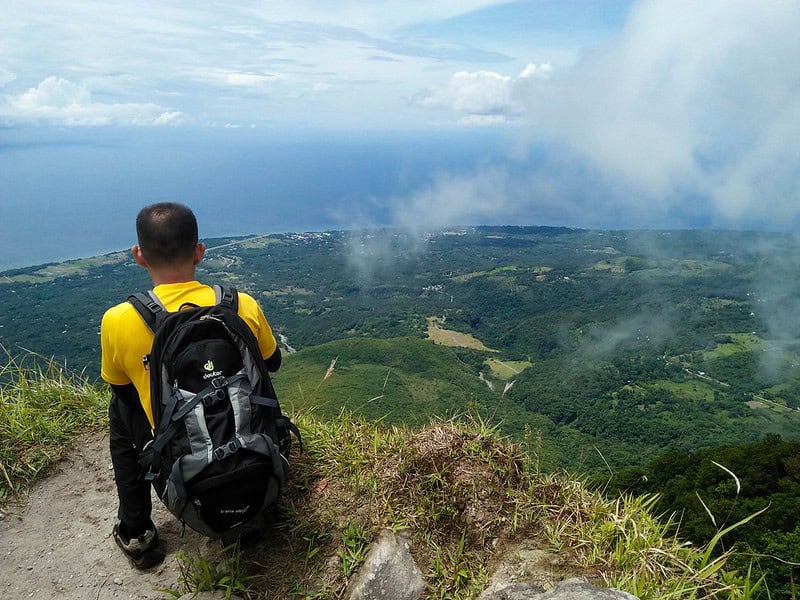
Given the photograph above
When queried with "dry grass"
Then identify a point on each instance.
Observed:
(465, 495)
(42, 408)
(507, 369)
(447, 337)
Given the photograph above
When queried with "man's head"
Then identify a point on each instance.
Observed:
(167, 236)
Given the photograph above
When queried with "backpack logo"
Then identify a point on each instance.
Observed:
(234, 511)
(209, 366)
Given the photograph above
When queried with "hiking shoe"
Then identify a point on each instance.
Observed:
(143, 551)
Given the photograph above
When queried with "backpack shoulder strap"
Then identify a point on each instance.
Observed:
(227, 296)
(149, 308)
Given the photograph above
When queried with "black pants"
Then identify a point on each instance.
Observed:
(129, 432)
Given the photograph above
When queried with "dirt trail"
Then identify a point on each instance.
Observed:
(59, 544)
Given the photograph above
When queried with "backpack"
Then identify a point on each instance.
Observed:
(219, 452)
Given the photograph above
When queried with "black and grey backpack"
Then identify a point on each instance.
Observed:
(219, 452)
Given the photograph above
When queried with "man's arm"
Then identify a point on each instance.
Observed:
(127, 393)
(273, 363)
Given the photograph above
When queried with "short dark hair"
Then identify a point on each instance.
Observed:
(167, 233)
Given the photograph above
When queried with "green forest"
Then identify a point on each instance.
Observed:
(633, 357)
(716, 487)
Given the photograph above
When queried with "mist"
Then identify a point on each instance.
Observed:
(687, 117)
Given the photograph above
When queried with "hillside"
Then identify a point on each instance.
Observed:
(405, 381)
(766, 477)
(618, 346)
(471, 504)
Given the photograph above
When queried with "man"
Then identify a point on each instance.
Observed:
(168, 248)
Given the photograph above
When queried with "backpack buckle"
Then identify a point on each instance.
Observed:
(227, 449)
(209, 398)
(218, 382)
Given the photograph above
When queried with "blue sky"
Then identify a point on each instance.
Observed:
(243, 64)
(673, 113)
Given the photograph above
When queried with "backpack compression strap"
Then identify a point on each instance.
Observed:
(149, 308)
(153, 312)
(227, 296)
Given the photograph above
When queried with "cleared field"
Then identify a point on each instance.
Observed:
(500, 271)
(259, 242)
(605, 250)
(736, 342)
(288, 291)
(507, 369)
(690, 390)
(613, 267)
(628, 264)
(447, 337)
(221, 262)
(80, 266)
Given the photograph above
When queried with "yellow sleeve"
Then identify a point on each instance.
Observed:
(110, 361)
(266, 339)
(251, 312)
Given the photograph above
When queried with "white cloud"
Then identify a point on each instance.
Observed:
(450, 199)
(532, 71)
(688, 115)
(482, 93)
(54, 93)
(139, 53)
(237, 78)
(57, 100)
(687, 98)
(690, 97)
(482, 97)
(172, 117)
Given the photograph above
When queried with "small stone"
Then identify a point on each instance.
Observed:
(117, 581)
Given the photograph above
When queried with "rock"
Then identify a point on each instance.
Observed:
(389, 571)
(117, 581)
(571, 589)
(530, 566)
(515, 591)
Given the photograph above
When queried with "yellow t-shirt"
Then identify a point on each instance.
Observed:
(125, 338)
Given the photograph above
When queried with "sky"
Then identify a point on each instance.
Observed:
(585, 113)
(243, 64)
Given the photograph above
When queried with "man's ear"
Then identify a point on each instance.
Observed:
(199, 253)
(136, 251)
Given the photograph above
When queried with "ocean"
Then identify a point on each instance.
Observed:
(68, 194)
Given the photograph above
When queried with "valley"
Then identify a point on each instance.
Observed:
(618, 345)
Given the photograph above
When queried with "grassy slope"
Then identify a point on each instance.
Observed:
(534, 294)
(42, 409)
(464, 494)
(410, 380)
